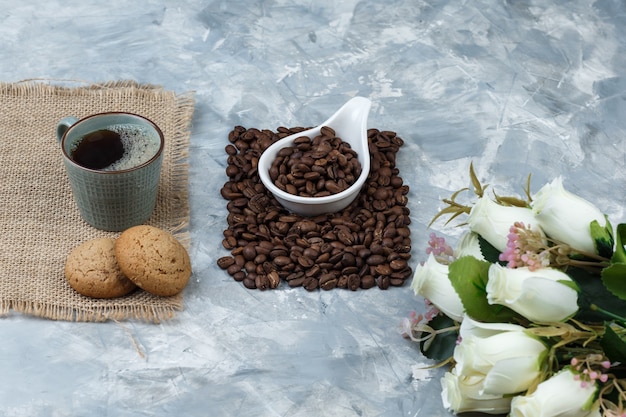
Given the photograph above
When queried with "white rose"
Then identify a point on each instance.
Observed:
(504, 355)
(540, 295)
(469, 246)
(558, 396)
(430, 280)
(566, 217)
(461, 394)
(493, 221)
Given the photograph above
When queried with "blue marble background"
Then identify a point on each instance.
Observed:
(517, 87)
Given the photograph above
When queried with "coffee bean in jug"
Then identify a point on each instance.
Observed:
(316, 167)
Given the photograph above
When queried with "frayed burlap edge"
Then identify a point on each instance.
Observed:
(184, 113)
(154, 314)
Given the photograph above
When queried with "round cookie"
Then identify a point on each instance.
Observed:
(92, 270)
(153, 259)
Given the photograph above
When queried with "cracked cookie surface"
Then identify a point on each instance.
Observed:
(153, 259)
(92, 270)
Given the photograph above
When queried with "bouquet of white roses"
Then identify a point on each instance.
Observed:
(529, 309)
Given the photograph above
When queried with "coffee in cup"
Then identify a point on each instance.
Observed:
(113, 161)
(116, 148)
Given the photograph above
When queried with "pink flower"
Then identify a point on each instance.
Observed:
(525, 247)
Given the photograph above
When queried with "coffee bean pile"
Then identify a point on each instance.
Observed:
(365, 245)
(316, 167)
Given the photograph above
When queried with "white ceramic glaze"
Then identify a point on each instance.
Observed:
(350, 124)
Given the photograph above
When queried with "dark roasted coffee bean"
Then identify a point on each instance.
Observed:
(313, 271)
(281, 261)
(239, 276)
(239, 260)
(230, 242)
(364, 253)
(249, 252)
(249, 283)
(336, 257)
(382, 282)
(310, 283)
(342, 282)
(297, 282)
(383, 269)
(328, 281)
(398, 264)
(354, 282)
(262, 282)
(233, 269)
(348, 259)
(396, 282)
(305, 262)
(274, 279)
(250, 266)
(312, 253)
(279, 252)
(345, 237)
(367, 282)
(225, 261)
(374, 260)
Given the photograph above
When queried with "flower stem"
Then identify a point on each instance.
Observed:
(607, 313)
(579, 263)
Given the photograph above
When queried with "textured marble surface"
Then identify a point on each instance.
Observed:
(514, 86)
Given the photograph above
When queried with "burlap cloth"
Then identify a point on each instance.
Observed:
(39, 221)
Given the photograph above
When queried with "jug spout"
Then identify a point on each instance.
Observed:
(351, 116)
(350, 123)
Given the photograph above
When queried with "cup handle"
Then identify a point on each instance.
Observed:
(65, 124)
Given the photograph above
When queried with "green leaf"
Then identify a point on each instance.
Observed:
(593, 291)
(490, 253)
(570, 284)
(619, 256)
(614, 346)
(469, 276)
(603, 236)
(442, 346)
(614, 278)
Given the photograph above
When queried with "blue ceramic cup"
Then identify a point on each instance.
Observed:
(121, 195)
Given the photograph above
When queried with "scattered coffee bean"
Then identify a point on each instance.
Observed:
(225, 261)
(365, 245)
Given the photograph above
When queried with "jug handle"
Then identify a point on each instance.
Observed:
(64, 125)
